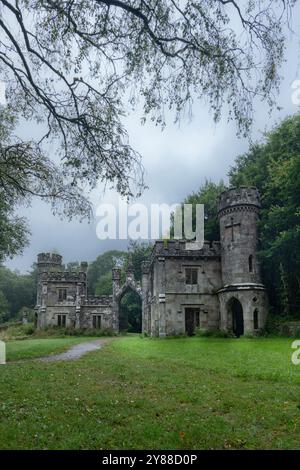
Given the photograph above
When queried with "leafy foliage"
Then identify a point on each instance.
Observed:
(137, 253)
(208, 195)
(75, 73)
(99, 272)
(130, 312)
(100, 280)
(16, 291)
(26, 172)
(274, 167)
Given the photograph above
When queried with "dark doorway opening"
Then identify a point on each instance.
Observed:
(237, 318)
(130, 318)
(192, 320)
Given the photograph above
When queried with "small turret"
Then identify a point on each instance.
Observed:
(48, 261)
(243, 300)
(238, 214)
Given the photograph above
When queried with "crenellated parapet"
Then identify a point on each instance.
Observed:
(49, 259)
(97, 301)
(245, 199)
(65, 276)
(181, 249)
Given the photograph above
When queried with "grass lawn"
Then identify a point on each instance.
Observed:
(190, 393)
(33, 348)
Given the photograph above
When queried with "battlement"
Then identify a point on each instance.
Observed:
(242, 196)
(180, 248)
(64, 276)
(49, 258)
(102, 300)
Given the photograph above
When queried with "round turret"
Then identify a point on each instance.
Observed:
(248, 197)
(45, 261)
(238, 214)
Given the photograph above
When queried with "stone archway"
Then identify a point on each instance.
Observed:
(120, 290)
(130, 311)
(235, 310)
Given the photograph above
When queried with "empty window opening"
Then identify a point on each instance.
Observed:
(62, 294)
(61, 320)
(97, 321)
(191, 276)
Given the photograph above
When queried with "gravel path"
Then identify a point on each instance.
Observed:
(76, 352)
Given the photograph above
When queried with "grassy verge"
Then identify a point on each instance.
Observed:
(188, 393)
(32, 348)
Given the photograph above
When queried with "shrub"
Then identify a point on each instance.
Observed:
(29, 329)
(89, 332)
(214, 333)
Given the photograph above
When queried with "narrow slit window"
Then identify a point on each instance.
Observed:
(250, 264)
(255, 319)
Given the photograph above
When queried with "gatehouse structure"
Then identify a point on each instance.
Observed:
(216, 287)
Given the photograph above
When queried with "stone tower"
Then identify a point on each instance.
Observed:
(243, 302)
(46, 262)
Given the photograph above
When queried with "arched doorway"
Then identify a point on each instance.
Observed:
(130, 311)
(134, 302)
(236, 310)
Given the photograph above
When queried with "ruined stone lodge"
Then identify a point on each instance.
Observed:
(217, 287)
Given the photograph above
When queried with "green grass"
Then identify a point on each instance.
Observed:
(189, 393)
(32, 348)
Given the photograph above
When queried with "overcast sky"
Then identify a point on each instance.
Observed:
(177, 161)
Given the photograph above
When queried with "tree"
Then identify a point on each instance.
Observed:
(16, 291)
(273, 166)
(25, 172)
(137, 253)
(103, 286)
(4, 308)
(131, 312)
(100, 269)
(208, 194)
(13, 230)
(73, 66)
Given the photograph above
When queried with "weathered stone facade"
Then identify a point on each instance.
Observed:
(217, 287)
(62, 297)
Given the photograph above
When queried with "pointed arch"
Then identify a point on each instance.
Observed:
(118, 293)
(129, 284)
(236, 314)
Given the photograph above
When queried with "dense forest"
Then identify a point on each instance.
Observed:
(273, 166)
